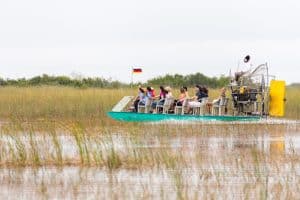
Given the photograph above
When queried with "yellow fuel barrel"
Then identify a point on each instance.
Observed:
(277, 98)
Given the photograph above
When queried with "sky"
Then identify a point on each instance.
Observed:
(99, 38)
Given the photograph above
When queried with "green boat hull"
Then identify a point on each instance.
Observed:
(145, 117)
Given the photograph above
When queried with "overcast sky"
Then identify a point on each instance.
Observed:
(107, 38)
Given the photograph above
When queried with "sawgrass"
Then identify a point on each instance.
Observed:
(57, 103)
(55, 126)
(293, 102)
(23, 147)
(173, 150)
(85, 105)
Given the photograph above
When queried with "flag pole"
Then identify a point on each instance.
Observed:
(131, 84)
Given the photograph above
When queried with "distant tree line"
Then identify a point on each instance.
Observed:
(62, 81)
(176, 80)
(295, 85)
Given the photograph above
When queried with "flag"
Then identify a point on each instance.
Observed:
(137, 70)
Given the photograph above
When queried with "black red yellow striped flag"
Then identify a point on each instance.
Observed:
(137, 70)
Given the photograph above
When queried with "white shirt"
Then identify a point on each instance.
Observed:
(169, 95)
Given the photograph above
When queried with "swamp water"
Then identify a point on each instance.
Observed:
(163, 162)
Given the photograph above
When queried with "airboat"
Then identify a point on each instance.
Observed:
(253, 95)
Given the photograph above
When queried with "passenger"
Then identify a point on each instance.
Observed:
(197, 99)
(182, 97)
(148, 96)
(140, 98)
(150, 93)
(186, 92)
(205, 92)
(168, 92)
(153, 92)
(169, 96)
(160, 98)
(222, 95)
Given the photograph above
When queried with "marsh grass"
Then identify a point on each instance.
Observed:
(81, 142)
(85, 105)
(58, 148)
(58, 103)
(18, 150)
(43, 124)
(113, 160)
(293, 102)
(159, 148)
(34, 150)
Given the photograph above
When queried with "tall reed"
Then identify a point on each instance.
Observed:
(86, 105)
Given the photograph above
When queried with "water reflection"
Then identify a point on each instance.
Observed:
(213, 163)
(276, 141)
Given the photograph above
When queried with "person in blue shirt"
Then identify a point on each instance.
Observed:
(201, 93)
(141, 98)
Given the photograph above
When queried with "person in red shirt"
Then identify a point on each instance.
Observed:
(160, 99)
(153, 92)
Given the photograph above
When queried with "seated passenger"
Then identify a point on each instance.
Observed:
(169, 96)
(160, 98)
(168, 92)
(140, 98)
(150, 93)
(205, 92)
(222, 95)
(197, 99)
(186, 92)
(182, 97)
